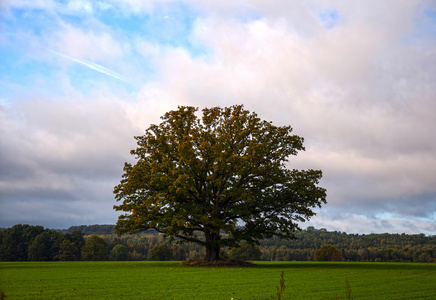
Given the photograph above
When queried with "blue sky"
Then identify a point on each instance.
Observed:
(79, 79)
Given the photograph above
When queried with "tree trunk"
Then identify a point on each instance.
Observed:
(212, 245)
(212, 253)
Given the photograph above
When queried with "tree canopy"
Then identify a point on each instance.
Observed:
(95, 249)
(212, 175)
(245, 252)
(328, 253)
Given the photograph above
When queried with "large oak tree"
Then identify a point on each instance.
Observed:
(223, 174)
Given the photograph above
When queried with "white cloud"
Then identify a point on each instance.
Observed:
(86, 44)
(79, 6)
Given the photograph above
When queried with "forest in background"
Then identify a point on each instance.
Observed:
(99, 242)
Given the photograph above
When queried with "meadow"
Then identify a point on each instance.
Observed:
(170, 280)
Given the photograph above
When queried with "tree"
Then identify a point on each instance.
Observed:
(77, 238)
(327, 253)
(45, 247)
(160, 252)
(213, 173)
(15, 241)
(179, 253)
(95, 249)
(245, 252)
(68, 251)
(119, 252)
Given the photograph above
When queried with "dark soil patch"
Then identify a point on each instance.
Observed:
(217, 263)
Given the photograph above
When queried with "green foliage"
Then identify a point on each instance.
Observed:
(170, 280)
(24, 242)
(45, 247)
(95, 249)
(327, 253)
(119, 252)
(15, 241)
(178, 252)
(77, 238)
(353, 247)
(245, 251)
(91, 229)
(160, 252)
(68, 251)
(206, 174)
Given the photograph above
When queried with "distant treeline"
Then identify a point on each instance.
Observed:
(98, 242)
(91, 229)
(384, 247)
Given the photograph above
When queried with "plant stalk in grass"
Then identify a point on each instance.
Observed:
(281, 289)
(347, 289)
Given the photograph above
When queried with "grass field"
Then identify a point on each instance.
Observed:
(168, 280)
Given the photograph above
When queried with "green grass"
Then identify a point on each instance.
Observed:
(168, 280)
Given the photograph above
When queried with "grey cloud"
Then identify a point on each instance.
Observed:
(63, 161)
(360, 223)
(58, 212)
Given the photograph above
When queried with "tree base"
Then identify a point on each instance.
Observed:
(217, 263)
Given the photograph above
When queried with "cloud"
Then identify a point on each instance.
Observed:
(96, 44)
(70, 152)
(356, 81)
(359, 223)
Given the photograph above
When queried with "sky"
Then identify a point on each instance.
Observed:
(357, 79)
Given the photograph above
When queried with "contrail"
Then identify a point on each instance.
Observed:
(93, 66)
